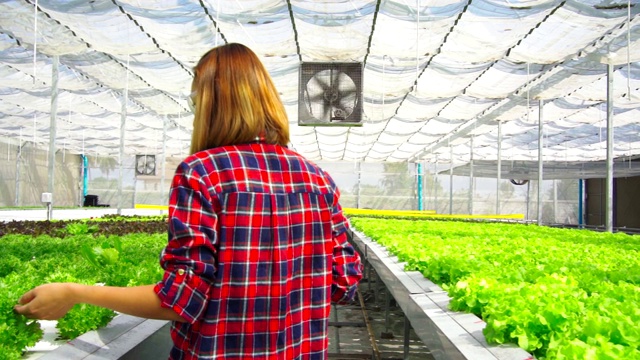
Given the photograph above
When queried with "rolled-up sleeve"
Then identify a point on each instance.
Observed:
(347, 266)
(346, 271)
(189, 259)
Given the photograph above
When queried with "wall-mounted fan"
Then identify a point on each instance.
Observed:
(330, 93)
(520, 175)
(145, 164)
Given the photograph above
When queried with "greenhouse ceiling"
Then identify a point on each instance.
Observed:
(438, 75)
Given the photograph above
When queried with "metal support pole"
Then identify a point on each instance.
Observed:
(18, 160)
(419, 183)
(358, 184)
(406, 337)
(367, 269)
(123, 121)
(555, 201)
(435, 185)
(528, 200)
(334, 311)
(165, 126)
(499, 169)
(580, 205)
(540, 160)
(52, 132)
(387, 334)
(135, 193)
(471, 176)
(609, 186)
(450, 180)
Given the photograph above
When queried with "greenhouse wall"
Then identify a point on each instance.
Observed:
(385, 186)
(104, 177)
(24, 176)
(394, 186)
(626, 199)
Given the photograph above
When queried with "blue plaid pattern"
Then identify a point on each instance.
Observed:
(257, 251)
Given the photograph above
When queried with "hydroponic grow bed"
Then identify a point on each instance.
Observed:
(558, 293)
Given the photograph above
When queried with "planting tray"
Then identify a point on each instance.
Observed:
(125, 338)
(448, 334)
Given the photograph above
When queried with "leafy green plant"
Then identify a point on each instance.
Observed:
(16, 331)
(557, 293)
(82, 318)
(30, 260)
(80, 228)
(105, 254)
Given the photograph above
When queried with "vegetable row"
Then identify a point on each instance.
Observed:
(557, 293)
(81, 257)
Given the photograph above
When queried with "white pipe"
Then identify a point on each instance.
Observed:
(540, 160)
(450, 180)
(123, 121)
(35, 39)
(165, 125)
(471, 176)
(609, 184)
(499, 169)
(52, 131)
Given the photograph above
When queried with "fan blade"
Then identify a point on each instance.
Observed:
(347, 87)
(349, 95)
(317, 98)
(326, 113)
(319, 80)
(335, 78)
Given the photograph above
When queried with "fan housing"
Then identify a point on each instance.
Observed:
(330, 93)
(145, 165)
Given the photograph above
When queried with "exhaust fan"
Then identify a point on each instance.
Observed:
(330, 93)
(145, 164)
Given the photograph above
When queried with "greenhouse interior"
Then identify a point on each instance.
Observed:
(524, 112)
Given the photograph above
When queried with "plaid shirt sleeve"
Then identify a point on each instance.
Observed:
(347, 267)
(189, 257)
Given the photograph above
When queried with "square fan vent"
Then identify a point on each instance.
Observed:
(145, 165)
(330, 94)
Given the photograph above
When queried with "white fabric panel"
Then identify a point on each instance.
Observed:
(436, 72)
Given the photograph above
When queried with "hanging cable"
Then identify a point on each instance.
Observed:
(355, 8)
(247, 33)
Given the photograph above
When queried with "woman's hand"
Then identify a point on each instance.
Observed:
(53, 301)
(46, 302)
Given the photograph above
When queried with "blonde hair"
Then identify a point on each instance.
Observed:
(235, 100)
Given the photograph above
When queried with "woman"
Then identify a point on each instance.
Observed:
(257, 245)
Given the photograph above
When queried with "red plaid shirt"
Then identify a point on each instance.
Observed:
(257, 251)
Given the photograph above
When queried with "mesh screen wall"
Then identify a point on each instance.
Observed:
(394, 186)
(24, 176)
